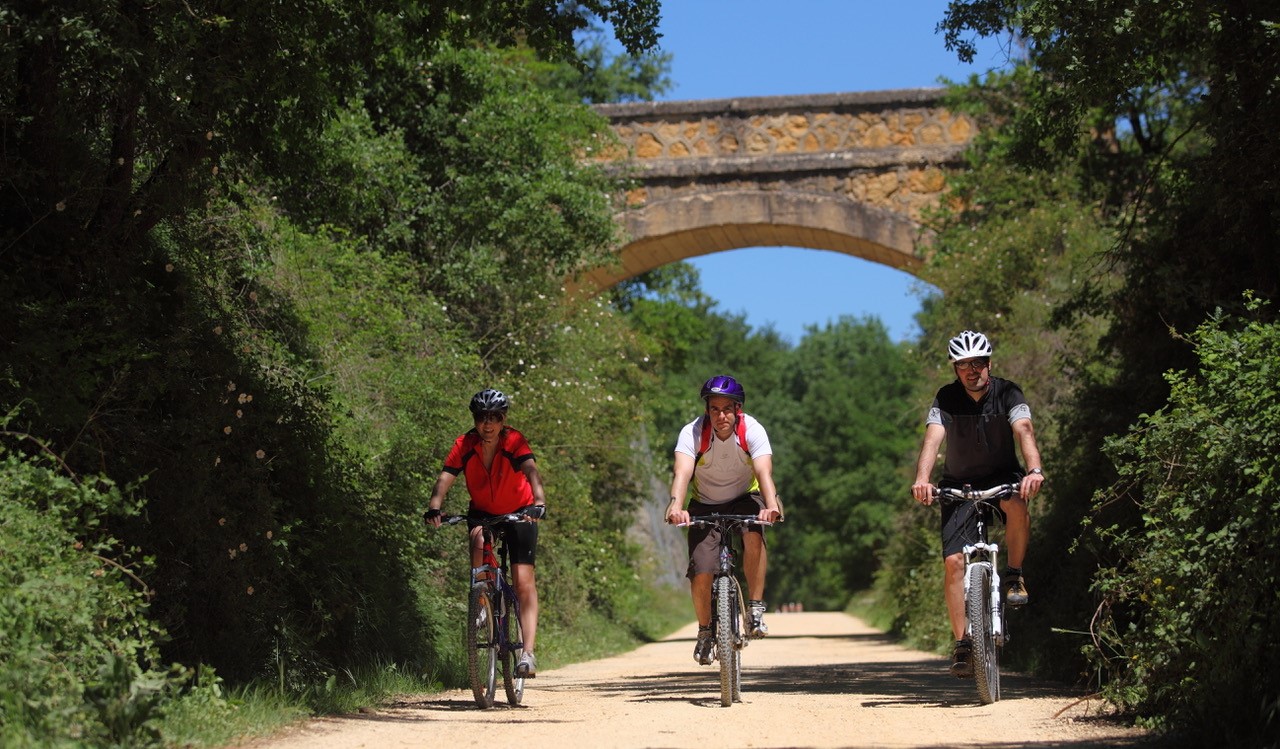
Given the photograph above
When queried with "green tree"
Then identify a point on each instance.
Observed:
(849, 425)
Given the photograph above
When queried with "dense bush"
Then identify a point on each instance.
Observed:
(1188, 625)
(78, 656)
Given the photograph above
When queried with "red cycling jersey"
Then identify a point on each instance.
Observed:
(503, 488)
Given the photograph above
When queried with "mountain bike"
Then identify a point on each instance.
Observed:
(729, 617)
(493, 634)
(983, 602)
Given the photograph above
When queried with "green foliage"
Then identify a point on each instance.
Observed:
(504, 192)
(78, 655)
(227, 267)
(604, 78)
(1189, 606)
(849, 425)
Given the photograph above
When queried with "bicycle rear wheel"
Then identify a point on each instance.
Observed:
(725, 596)
(512, 649)
(986, 652)
(482, 646)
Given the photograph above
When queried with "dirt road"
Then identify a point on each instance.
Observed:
(818, 680)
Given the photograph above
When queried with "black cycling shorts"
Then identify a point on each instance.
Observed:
(960, 524)
(520, 537)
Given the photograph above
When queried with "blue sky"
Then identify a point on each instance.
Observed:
(728, 48)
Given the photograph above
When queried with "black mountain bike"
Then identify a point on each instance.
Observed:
(729, 621)
(983, 603)
(493, 634)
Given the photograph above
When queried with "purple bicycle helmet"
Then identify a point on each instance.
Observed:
(724, 385)
(489, 401)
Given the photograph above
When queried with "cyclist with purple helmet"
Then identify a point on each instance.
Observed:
(502, 478)
(982, 419)
(724, 464)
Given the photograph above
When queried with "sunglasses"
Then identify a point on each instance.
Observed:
(487, 416)
(978, 364)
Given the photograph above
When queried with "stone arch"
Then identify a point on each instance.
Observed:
(847, 172)
(701, 224)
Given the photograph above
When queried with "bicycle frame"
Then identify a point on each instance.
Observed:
(984, 608)
(729, 605)
(986, 553)
(489, 583)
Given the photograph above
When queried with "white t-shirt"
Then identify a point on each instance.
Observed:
(724, 472)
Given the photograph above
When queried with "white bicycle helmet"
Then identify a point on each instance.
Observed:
(969, 345)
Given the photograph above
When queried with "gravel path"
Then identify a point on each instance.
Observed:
(818, 680)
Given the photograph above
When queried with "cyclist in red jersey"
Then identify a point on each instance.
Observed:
(502, 478)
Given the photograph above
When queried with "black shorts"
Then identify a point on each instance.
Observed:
(704, 543)
(960, 523)
(520, 537)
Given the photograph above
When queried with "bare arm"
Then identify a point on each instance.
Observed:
(530, 468)
(1026, 434)
(681, 474)
(763, 466)
(922, 489)
(437, 495)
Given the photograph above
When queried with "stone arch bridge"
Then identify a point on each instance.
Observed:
(848, 172)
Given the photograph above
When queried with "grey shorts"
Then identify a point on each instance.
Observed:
(704, 543)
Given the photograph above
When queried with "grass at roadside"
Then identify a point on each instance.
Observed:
(217, 717)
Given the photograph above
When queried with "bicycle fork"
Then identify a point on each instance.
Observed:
(987, 554)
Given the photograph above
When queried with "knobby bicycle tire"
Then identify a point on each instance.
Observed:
(726, 612)
(739, 639)
(986, 652)
(512, 649)
(482, 645)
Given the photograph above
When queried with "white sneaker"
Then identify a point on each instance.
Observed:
(527, 668)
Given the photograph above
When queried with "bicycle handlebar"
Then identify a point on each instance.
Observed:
(718, 519)
(512, 517)
(968, 494)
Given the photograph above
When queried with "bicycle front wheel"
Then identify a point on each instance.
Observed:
(482, 646)
(986, 652)
(725, 594)
(512, 649)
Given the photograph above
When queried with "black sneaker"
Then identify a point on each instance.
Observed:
(702, 649)
(962, 660)
(1016, 595)
(758, 627)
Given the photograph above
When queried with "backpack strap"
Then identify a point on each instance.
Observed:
(705, 442)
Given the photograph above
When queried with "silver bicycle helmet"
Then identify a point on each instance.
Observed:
(969, 345)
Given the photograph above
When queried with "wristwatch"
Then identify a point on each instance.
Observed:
(1036, 471)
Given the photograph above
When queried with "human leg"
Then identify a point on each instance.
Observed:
(953, 592)
(525, 582)
(1017, 530)
(755, 562)
(700, 589)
